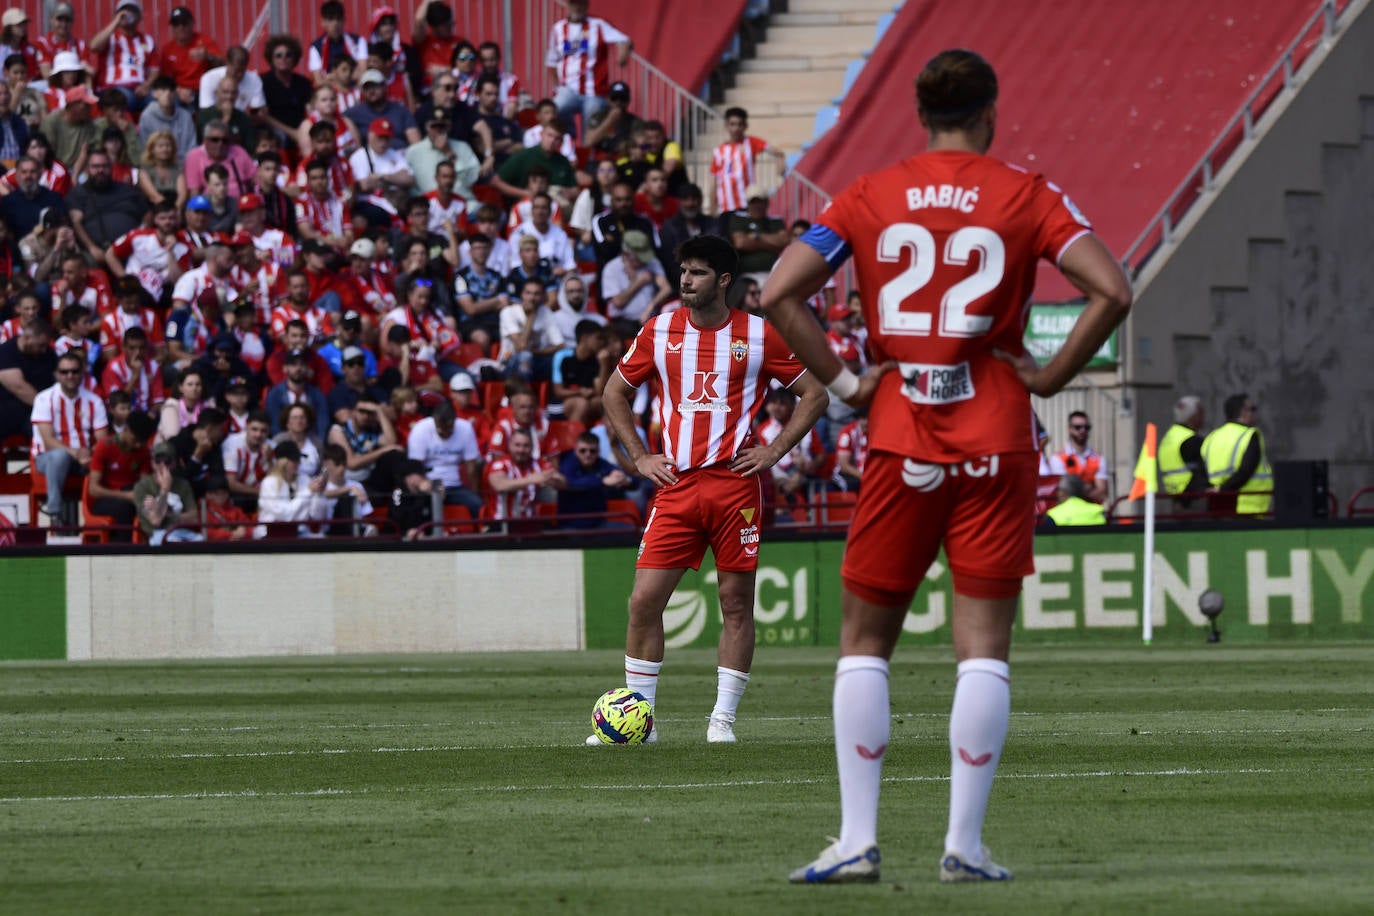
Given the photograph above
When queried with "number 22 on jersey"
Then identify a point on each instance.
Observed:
(898, 240)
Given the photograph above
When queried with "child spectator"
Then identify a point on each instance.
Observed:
(224, 521)
(117, 464)
(118, 407)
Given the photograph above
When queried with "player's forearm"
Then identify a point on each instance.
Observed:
(615, 401)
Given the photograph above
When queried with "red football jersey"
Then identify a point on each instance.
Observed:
(709, 381)
(946, 244)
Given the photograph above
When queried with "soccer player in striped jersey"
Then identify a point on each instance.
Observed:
(946, 245)
(710, 367)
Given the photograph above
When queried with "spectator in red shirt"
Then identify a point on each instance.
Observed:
(224, 520)
(188, 56)
(117, 463)
(434, 40)
(15, 40)
(654, 201)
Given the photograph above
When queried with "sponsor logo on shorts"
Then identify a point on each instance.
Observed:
(739, 350)
(747, 515)
(749, 535)
(937, 384)
(926, 478)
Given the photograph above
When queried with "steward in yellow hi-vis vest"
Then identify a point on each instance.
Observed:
(1181, 468)
(1073, 509)
(1236, 462)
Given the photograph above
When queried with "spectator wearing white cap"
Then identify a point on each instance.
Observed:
(59, 39)
(14, 39)
(375, 104)
(128, 57)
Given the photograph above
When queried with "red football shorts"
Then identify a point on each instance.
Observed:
(983, 511)
(710, 506)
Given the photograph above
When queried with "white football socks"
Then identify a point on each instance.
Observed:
(730, 686)
(642, 677)
(863, 723)
(977, 729)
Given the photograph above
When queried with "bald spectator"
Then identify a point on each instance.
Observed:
(249, 83)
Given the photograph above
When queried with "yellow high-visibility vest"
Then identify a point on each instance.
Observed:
(1222, 450)
(1174, 474)
(1077, 511)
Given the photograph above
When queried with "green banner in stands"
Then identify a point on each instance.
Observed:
(1049, 327)
(33, 612)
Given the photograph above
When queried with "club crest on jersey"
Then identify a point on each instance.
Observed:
(937, 384)
(739, 350)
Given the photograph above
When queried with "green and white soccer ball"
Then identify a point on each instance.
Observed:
(622, 716)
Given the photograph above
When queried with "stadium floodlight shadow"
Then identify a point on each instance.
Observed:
(1210, 603)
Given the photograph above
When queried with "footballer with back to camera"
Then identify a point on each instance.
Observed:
(946, 245)
(711, 367)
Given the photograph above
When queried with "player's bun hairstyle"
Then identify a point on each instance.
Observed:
(714, 251)
(954, 88)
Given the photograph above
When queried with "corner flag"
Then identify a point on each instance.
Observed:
(1147, 466)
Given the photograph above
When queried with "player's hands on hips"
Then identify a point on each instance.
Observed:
(1029, 371)
(751, 461)
(657, 468)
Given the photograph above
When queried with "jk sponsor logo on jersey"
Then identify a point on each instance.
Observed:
(937, 384)
(705, 395)
(926, 478)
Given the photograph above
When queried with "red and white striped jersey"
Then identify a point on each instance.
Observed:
(848, 348)
(510, 90)
(113, 326)
(195, 241)
(733, 165)
(466, 89)
(282, 246)
(47, 47)
(147, 393)
(316, 319)
(709, 381)
(341, 180)
(345, 141)
(96, 295)
(853, 439)
(11, 329)
(348, 97)
(127, 60)
(242, 462)
(513, 503)
(428, 328)
(271, 280)
(376, 290)
(144, 256)
(251, 351)
(439, 212)
(193, 283)
(75, 421)
(581, 53)
(90, 348)
(55, 178)
(502, 429)
(328, 217)
(520, 214)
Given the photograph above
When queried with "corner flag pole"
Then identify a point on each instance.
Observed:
(1146, 483)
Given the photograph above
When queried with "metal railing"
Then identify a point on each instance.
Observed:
(1319, 29)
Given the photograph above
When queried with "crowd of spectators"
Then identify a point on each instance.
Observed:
(367, 273)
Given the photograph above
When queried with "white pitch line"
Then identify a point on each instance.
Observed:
(646, 787)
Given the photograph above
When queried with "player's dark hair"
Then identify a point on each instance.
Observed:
(1234, 405)
(954, 88)
(736, 112)
(717, 254)
(260, 416)
(443, 412)
(142, 425)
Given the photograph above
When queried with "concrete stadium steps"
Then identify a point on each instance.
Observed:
(799, 68)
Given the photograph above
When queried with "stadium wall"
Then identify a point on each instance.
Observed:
(1267, 288)
(1278, 584)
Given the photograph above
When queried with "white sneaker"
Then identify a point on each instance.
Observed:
(721, 730)
(595, 741)
(833, 867)
(955, 868)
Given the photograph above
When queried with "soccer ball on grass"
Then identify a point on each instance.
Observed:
(622, 716)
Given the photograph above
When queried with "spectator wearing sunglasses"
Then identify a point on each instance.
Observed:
(1081, 460)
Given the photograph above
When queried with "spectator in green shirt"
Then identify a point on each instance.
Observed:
(511, 178)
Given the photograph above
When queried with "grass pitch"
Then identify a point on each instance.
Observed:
(1214, 779)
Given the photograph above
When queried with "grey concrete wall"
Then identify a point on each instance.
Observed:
(1270, 289)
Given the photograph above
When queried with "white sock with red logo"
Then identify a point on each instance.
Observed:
(862, 725)
(977, 730)
(642, 677)
(730, 686)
